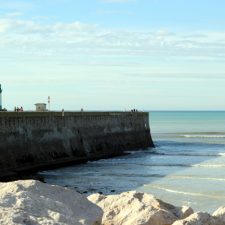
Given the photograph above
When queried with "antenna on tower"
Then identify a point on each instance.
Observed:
(49, 100)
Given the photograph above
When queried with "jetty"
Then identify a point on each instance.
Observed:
(31, 141)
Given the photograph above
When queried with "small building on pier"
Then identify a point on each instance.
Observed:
(41, 107)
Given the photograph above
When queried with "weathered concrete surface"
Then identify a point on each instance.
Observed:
(31, 140)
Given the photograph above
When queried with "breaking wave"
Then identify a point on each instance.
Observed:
(187, 193)
(203, 135)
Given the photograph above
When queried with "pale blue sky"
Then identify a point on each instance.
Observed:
(113, 54)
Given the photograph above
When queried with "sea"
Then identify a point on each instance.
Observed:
(186, 167)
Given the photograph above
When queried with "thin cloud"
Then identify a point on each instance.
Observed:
(108, 12)
(117, 1)
(13, 14)
(113, 12)
(17, 5)
(38, 40)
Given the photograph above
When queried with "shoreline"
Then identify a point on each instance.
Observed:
(31, 171)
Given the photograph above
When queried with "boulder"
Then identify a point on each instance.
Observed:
(134, 208)
(31, 202)
(200, 219)
(220, 213)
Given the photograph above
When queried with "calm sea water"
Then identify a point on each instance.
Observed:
(187, 167)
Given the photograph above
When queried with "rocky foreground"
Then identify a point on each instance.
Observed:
(31, 202)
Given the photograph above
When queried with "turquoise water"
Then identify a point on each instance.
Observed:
(187, 167)
(191, 151)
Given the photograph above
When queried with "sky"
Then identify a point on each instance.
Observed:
(113, 54)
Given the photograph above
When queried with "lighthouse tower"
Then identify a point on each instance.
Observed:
(0, 97)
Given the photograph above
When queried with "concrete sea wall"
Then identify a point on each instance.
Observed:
(32, 140)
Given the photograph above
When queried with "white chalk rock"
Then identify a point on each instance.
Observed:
(133, 208)
(200, 219)
(32, 202)
(220, 213)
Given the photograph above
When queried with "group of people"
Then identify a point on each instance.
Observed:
(18, 109)
(134, 110)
